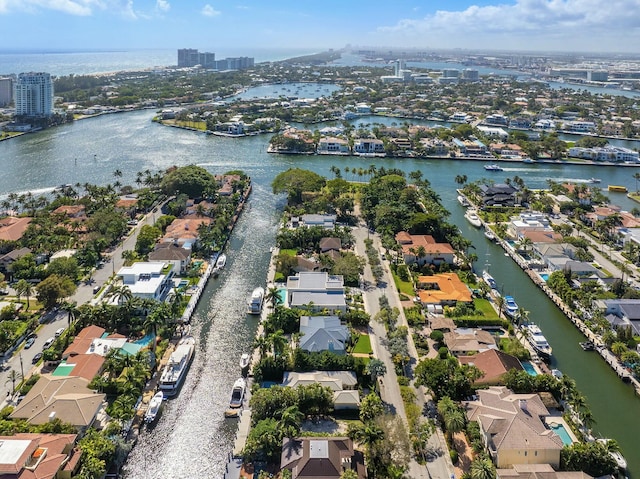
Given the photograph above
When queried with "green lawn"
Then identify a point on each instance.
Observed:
(363, 346)
(485, 306)
(289, 252)
(405, 287)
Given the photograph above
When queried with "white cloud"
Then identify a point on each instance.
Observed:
(539, 20)
(72, 7)
(163, 5)
(209, 11)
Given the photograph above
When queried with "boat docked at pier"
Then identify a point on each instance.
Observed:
(510, 306)
(538, 342)
(154, 408)
(473, 218)
(490, 235)
(256, 300)
(237, 393)
(588, 346)
(621, 462)
(176, 369)
(492, 167)
(245, 362)
(489, 280)
(463, 201)
(221, 261)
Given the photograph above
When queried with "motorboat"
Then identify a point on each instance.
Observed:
(621, 462)
(538, 342)
(176, 369)
(588, 346)
(617, 188)
(154, 408)
(463, 201)
(510, 306)
(245, 362)
(473, 218)
(492, 167)
(221, 261)
(256, 300)
(489, 280)
(594, 180)
(490, 235)
(237, 393)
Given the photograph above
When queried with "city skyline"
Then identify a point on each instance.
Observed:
(531, 25)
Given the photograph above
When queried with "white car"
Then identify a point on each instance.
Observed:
(48, 343)
(59, 331)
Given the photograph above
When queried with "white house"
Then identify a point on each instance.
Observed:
(368, 146)
(333, 145)
(148, 280)
(317, 290)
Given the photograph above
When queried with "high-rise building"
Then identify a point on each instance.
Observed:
(33, 94)
(6, 91)
(187, 57)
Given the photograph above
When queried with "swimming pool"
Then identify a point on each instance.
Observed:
(528, 367)
(544, 276)
(282, 294)
(562, 432)
(145, 340)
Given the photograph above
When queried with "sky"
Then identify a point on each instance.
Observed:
(213, 25)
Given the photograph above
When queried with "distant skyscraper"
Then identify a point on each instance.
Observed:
(187, 57)
(6, 91)
(33, 94)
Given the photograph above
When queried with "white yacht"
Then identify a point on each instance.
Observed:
(539, 342)
(245, 362)
(256, 300)
(463, 201)
(221, 261)
(473, 218)
(489, 280)
(237, 393)
(155, 405)
(176, 369)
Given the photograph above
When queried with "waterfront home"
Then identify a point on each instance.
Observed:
(471, 147)
(493, 132)
(12, 228)
(33, 455)
(333, 146)
(609, 153)
(465, 341)
(579, 126)
(512, 428)
(434, 146)
(148, 280)
(330, 244)
(445, 289)
(318, 291)
(321, 457)
(528, 221)
(496, 120)
(184, 231)
(623, 313)
(82, 342)
(306, 264)
(498, 195)
(178, 256)
(323, 333)
(70, 211)
(128, 204)
(334, 380)
(423, 249)
(493, 363)
(368, 146)
(86, 366)
(66, 398)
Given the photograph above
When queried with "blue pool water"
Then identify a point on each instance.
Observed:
(528, 367)
(282, 292)
(562, 432)
(183, 283)
(544, 276)
(145, 340)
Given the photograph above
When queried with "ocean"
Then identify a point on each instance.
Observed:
(62, 63)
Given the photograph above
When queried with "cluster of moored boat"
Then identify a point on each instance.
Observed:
(531, 331)
(471, 215)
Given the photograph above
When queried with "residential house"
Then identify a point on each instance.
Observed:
(528, 221)
(31, 455)
(424, 249)
(306, 264)
(471, 147)
(6, 260)
(323, 333)
(326, 221)
(171, 253)
(623, 313)
(82, 342)
(128, 204)
(513, 428)
(148, 280)
(443, 289)
(493, 363)
(66, 398)
(465, 341)
(71, 211)
(331, 145)
(498, 195)
(344, 385)
(553, 251)
(184, 231)
(86, 366)
(368, 146)
(538, 471)
(330, 244)
(317, 290)
(12, 228)
(321, 457)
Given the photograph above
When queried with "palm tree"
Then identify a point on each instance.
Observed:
(500, 305)
(13, 377)
(262, 344)
(289, 423)
(482, 468)
(461, 179)
(367, 435)
(636, 176)
(71, 308)
(120, 294)
(273, 296)
(23, 288)
(278, 342)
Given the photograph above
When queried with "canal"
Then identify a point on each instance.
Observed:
(192, 438)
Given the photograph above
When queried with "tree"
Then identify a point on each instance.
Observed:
(273, 296)
(376, 368)
(295, 181)
(52, 289)
(24, 288)
(371, 407)
(482, 468)
(190, 180)
(147, 238)
(289, 423)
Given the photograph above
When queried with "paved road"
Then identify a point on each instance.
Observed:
(21, 360)
(440, 467)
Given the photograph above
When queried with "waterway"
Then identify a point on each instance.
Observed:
(192, 438)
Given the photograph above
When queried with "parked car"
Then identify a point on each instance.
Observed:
(48, 343)
(29, 342)
(59, 331)
(36, 358)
